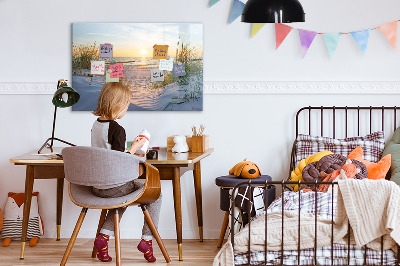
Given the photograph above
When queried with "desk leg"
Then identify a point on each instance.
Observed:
(60, 190)
(197, 189)
(176, 182)
(27, 206)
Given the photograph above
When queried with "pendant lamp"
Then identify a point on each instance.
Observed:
(273, 11)
(64, 96)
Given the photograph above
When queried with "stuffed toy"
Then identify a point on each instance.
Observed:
(296, 174)
(180, 144)
(375, 170)
(245, 169)
(13, 215)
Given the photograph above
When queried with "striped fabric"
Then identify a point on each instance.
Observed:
(13, 228)
(340, 253)
(322, 207)
(372, 145)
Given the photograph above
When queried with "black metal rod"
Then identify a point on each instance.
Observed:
(333, 189)
(346, 120)
(334, 122)
(322, 121)
(315, 222)
(266, 220)
(54, 126)
(370, 120)
(298, 226)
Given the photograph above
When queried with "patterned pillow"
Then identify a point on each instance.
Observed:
(372, 144)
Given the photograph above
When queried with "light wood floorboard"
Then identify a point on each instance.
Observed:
(50, 252)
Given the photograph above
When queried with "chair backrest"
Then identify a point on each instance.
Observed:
(92, 166)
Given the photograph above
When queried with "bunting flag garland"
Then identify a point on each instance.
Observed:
(281, 31)
(255, 28)
(306, 39)
(389, 30)
(332, 41)
(361, 37)
(237, 9)
(213, 2)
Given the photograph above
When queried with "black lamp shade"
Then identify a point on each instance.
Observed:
(273, 11)
(73, 96)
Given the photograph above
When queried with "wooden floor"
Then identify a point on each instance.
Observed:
(50, 252)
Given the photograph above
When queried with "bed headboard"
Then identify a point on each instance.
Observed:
(344, 121)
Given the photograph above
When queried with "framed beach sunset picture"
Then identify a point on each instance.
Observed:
(161, 63)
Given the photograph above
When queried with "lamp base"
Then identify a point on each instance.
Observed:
(50, 146)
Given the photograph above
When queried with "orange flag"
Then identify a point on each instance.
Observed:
(281, 31)
(389, 30)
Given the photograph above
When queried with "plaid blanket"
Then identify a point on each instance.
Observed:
(323, 205)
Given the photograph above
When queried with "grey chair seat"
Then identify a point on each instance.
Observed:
(83, 196)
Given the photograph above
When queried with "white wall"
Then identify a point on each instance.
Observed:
(36, 47)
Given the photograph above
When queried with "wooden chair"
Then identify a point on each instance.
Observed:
(85, 167)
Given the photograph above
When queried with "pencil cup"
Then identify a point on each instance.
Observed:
(200, 143)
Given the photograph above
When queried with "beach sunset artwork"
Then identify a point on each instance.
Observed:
(131, 52)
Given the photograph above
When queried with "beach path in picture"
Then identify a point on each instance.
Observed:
(131, 62)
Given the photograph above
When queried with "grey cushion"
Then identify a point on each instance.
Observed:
(83, 196)
(393, 148)
(99, 167)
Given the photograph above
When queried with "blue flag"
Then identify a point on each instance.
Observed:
(237, 9)
(361, 38)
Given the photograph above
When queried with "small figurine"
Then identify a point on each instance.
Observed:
(180, 144)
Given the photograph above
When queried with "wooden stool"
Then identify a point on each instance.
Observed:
(226, 183)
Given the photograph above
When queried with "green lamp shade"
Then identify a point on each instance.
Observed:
(65, 96)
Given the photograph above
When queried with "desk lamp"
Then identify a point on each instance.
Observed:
(273, 11)
(63, 97)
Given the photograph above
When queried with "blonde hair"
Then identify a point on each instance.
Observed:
(114, 96)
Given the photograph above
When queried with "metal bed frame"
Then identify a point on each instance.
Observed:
(283, 184)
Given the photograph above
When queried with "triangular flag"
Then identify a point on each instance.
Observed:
(213, 2)
(306, 39)
(281, 31)
(255, 28)
(390, 32)
(361, 37)
(237, 9)
(332, 41)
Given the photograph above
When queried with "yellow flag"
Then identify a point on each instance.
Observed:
(255, 28)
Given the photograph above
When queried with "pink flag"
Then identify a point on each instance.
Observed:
(389, 30)
(281, 31)
(306, 39)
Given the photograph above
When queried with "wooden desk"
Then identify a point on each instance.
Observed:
(171, 167)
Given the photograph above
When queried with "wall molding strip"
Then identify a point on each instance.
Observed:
(246, 87)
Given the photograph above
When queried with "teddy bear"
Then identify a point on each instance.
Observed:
(13, 215)
(180, 144)
(245, 169)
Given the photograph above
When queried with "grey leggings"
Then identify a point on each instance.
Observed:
(154, 208)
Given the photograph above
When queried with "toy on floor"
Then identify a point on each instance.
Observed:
(245, 169)
(13, 215)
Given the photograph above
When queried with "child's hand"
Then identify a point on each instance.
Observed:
(137, 144)
(143, 155)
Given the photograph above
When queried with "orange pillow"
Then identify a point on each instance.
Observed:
(375, 170)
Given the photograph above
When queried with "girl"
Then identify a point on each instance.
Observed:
(107, 133)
